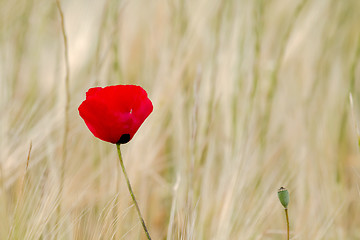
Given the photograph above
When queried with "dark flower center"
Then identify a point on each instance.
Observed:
(124, 139)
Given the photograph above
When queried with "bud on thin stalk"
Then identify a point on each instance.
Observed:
(284, 198)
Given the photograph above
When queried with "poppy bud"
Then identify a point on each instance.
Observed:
(284, 197)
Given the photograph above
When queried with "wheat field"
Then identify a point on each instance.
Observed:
(248, 95)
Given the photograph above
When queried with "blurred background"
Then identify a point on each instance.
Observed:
(248, 96)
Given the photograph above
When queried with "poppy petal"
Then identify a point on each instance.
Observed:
(115, 113)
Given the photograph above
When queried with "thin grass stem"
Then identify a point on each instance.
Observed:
(67, 90)
(66, 112)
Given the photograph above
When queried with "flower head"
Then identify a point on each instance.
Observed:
(114, 113)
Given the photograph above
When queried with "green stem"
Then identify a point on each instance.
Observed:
(287, 224)
(132, 193)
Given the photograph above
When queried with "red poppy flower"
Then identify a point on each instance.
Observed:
(115, 113)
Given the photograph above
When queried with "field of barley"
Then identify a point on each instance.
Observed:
(248, 96)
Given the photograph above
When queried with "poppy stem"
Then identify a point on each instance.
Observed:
(287, 223)
(132, 193)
